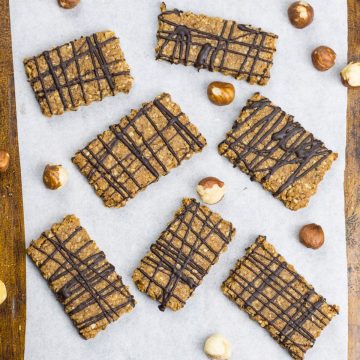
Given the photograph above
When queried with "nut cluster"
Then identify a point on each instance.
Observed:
(301, 14)
(221, 93)
(323, 58)
(211, 190)
(68, 4)
(54, 176)
(4, 161)
(217, 347)
(312, 236)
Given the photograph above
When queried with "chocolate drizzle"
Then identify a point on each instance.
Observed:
(89, 279)
(212, 51)
(181, 262)
(122, 175)
(270, 290)
(272, 130)
(55, 79)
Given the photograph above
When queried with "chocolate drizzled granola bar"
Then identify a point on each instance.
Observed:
(204, 42)
(87, 285)
(133, 154)
(278, 298)
(183, 254)
(78, 73)
(267, 144)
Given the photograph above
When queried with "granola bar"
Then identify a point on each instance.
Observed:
(205, 42)
(273, 294)
(78, 73)
(183, 254)
(92, 293)
(267, 144)
(133, 154)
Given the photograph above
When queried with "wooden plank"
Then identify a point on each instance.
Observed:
(352, 186)
(12, 244)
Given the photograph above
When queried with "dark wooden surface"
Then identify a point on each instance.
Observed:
(352, 186)
(12, 244)
(12, 251)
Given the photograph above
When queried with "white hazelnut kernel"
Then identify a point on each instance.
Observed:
(217, 347)
(350, 75)
(211, 190)
(55, 176)
(3, 292)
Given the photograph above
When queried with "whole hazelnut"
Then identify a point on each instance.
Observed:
(301, 14)
(3, 292)
(4, 161)
(217, 347)
(312, 236)
(350, 75)
(221, 93)
(211, 190)
(54, 176)
(68, 4)
(323, 58)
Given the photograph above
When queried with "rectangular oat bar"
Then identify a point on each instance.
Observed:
(183, 254)
(78, 73)
(133, 154)
(205, 42)
(277, 152)
(273, 294)
(92, 293)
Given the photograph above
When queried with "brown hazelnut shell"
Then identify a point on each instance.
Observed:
(312, 236)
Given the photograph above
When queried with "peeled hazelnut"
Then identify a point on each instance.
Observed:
(211, 190)
(4, 161)
(350, 75)
(3, 292)
(301, 14)
(323, 58)
(68, 4)
(55, 176)
(217, 347)
(221, 93)
(312, 236)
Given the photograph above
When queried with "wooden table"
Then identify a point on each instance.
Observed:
(12, 250)
(352, 186)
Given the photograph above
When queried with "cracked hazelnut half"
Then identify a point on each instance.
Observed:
(4, 161)
(211, 190)
(68, 4)
(54, 176)
(301, 14)
(221, 93)
(217, 347)
(350, 75)
(312, 236)
(323, 58)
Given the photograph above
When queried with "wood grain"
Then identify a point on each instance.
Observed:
(352, 186)
(12, 244)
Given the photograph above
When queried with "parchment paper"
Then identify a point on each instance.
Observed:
(317, 100)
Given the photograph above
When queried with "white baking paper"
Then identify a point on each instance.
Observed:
(318, 101)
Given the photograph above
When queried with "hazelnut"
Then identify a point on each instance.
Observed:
(323, 58)
(68, 4)
(217, 347)
(3, 292)
(4, 161)
(221, 93)
(301, 14)
(312, 236)
(54, 176)
(350, 75)
(211, 190)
